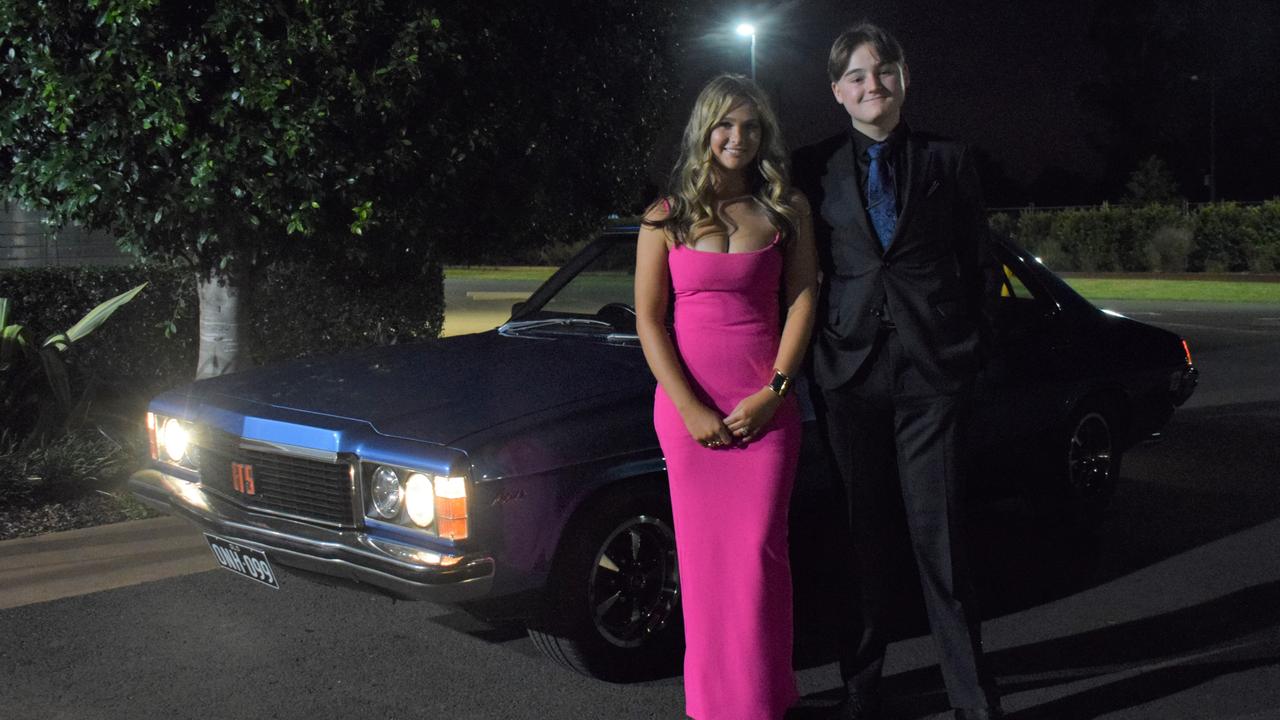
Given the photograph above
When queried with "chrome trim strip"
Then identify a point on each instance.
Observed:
(324, 456)
(357, 491)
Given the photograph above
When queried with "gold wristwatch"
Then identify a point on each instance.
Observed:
(780, 384)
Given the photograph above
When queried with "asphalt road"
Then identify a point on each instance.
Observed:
(1173, 611)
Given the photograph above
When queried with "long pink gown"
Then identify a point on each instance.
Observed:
(730, 504)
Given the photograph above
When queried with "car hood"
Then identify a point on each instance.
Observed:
(442, 390)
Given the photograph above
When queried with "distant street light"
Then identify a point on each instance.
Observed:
(749, 30)
(1212, 179)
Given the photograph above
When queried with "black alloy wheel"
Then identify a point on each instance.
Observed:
(1088, 461)
(612, 608)
(634, 587)
(1090, 452)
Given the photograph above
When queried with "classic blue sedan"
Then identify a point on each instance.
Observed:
(516, 472)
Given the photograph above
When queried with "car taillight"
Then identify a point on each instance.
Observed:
(1186, 350)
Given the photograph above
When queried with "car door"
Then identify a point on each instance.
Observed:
(1022, 391)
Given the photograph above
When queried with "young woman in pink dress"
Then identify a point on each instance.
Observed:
(733, 240)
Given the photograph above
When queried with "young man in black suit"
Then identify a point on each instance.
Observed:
(902, 236)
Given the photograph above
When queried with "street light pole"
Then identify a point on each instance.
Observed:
(1212, 179)
(750, 30)
(1213, 140)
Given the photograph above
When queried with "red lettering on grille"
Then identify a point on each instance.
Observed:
(242, 478)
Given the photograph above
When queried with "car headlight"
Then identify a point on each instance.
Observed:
(170, 440)
(420, 500)
(436, 504)
(387, 492)
(174, 439)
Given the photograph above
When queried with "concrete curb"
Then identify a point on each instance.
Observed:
(78, 562)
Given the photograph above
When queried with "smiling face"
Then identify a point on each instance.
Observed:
(872, 91)
(735, 138)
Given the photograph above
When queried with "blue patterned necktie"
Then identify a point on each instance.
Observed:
(882, 201)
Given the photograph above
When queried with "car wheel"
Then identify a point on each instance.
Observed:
(1088, 455)
(613, 610)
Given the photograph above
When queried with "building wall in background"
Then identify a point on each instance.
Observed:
(25, 241)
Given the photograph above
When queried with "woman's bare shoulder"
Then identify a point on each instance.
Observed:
(653, 227)
(659, 211)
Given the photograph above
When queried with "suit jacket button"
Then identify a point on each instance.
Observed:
(885, 263)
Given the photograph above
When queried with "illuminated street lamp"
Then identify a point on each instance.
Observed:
(749, 30)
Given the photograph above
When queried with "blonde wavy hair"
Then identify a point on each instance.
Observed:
(691, 188)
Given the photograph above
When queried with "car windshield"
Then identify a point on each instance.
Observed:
(597, 299)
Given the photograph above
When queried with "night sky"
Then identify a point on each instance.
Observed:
(1064, 97)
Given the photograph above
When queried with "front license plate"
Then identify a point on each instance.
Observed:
(246, 561)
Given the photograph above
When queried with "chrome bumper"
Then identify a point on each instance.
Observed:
(405, 571)
(1183, 383)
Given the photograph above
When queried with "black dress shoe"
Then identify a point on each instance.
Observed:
(991, 713)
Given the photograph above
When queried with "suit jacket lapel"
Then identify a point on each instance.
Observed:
(917, 167)
(842, 203)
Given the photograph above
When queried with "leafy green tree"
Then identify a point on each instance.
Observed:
(1152, 184)
(230, 134)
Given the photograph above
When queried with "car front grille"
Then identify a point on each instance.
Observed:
(305, 488)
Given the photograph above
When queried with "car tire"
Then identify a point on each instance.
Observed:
(613, 604)
(1085, 458)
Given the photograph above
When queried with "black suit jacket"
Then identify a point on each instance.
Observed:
(934, 276)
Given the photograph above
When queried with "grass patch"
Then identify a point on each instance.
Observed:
(536, 273)
(1125, 288)
(1223, 291)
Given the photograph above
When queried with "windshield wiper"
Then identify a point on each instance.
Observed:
(517, 326)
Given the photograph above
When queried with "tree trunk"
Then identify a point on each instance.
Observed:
(224, 331)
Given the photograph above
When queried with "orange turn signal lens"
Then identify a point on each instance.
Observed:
(451, 507)
(151, 436)
(451, 529)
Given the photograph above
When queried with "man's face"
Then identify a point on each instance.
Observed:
(872, 92)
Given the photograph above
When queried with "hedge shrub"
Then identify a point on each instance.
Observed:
(1090, 238)
(1160, 237)
(1224, 237)
(1266, 255)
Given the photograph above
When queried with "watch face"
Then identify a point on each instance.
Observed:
(780, 383)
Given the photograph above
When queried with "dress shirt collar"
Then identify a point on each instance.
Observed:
(896, 138)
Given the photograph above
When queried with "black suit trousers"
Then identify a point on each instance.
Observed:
(890, 432)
